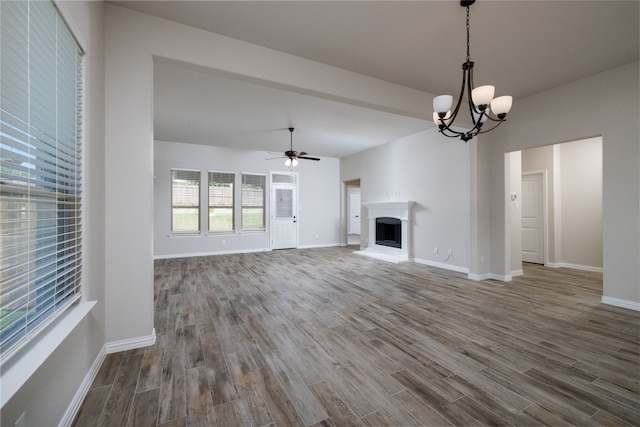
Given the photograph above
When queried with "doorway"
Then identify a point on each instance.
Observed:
(565, 180)
(354, 212)
(284, 211)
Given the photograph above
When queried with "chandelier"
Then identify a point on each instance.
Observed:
(483, 106)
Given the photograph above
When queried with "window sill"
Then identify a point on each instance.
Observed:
(178, 235)
(221, 233)
(262, 230)
(21, 366)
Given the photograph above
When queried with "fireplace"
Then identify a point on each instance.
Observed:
(389, 232)
(389, 236)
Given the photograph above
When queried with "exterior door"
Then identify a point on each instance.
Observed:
(284, 222)
(354, 211)
(533, 218)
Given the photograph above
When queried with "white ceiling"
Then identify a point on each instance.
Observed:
(522, 47)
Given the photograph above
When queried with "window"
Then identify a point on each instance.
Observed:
(253, 189)
(185, 201)
(40, 169)
(221, 201)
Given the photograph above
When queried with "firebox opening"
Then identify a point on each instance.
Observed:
(389, 232)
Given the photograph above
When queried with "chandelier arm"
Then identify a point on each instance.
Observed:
(454, 114)
(455, 134)
(494, 119)
(472, 107)
(499, 122)
(442, 127)
(471, 85)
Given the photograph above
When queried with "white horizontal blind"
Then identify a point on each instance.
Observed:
(185, 201)
(221, 201)
(253, 201)
(40, 169)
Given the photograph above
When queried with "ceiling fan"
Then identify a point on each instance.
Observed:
(293, 156)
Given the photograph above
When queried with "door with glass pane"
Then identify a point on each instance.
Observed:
(284, 221)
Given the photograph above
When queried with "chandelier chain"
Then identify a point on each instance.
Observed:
(468, 28)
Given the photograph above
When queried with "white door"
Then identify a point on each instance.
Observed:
(354, 211)
(533, 218)
(284, 222)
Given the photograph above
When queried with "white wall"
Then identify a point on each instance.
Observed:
(514, 206)
(479, 209)
(606, 104)
(132, 41)
(47, 394)
(318, 198)
(581, 163)
(431, 170)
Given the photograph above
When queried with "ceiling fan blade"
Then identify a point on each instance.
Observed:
(301, 153)
(308, 158)
(274, 158)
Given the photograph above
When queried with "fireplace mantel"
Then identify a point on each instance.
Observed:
(400, 210)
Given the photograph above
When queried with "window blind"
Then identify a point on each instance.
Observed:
(185, 201)
(221, 201)
(40, 169)
(253, 197)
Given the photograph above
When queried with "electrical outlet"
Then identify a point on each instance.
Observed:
(435, 250)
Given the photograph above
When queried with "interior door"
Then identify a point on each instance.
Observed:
(533, 218)
(354, 211)
(284, 222)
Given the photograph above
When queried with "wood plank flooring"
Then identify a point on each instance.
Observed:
(323, 337)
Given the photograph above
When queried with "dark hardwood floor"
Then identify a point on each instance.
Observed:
(325, 337)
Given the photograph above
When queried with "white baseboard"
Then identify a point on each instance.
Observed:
(516, 273)
(631, 305)
(574, 266)
(490, 276)
(484, 276)
(131, 343)
(195, 254)
(441, 265)
(324, 245)
(76, 402)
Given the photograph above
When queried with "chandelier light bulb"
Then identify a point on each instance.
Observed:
(442, 103)
(501, 106)
(287, 162)
(294, 162)
(482, 96)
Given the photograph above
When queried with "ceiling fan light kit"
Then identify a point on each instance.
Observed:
(293, 156)
(483, 106)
